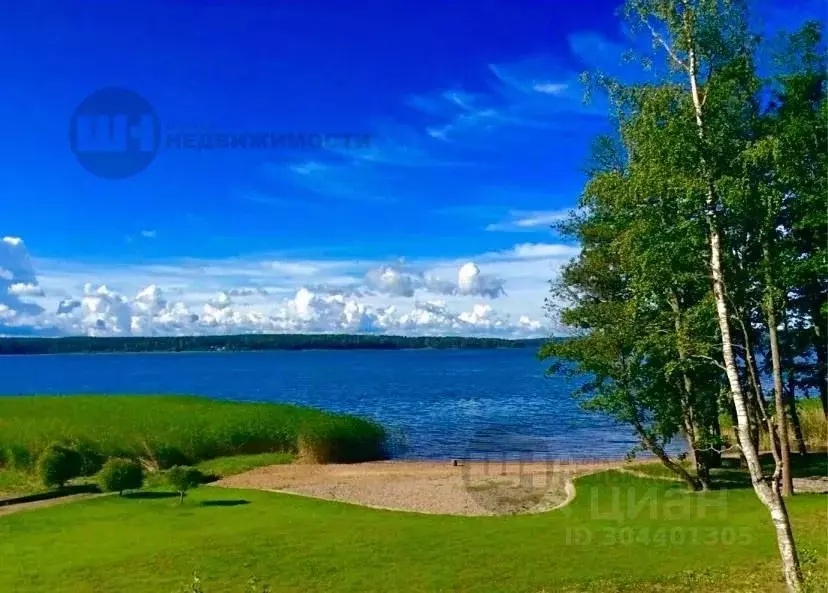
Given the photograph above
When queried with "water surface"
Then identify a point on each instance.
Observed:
(446, 403)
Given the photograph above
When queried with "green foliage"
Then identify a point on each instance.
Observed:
(182, 478)
(700, 153)
(118, 475)
(711, 201)
(16, 457)
(168, 430)
(57, 465)
(91, 460)
(15, 483)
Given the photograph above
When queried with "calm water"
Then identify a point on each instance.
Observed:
(445, 403)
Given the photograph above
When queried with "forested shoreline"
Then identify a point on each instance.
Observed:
(249, 342)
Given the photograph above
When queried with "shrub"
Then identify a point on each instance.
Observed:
(182, 478)
(166, 457)
(91, 460)
(118, 475)
(57, 465)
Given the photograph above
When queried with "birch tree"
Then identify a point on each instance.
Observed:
(707, 44)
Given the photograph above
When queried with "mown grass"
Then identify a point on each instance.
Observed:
(223, 467)
(621, 533)
(174, 430)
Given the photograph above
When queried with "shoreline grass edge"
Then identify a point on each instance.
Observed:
(166, 430)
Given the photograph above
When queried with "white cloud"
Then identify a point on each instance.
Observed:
(399, 281)
(308, 168)
(17, 281)
(550, 88)
(22, 289)
(148, 234)
(499, 293)
(471, 281)
(531, 220)
(544, 250)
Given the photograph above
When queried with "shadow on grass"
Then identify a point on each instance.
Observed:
(223, 503)
(57, 493)
(732, 475)
(150, 495)
(812, 465)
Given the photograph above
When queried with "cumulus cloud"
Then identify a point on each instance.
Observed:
(471, 281)
(22, 289)
(398, 281)
(17, 280)
(390, 280)
(437, 298)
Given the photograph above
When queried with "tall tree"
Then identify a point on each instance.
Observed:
(707, 44)
(620, 345)
(699, 221)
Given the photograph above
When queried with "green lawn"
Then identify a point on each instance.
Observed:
(621, 533)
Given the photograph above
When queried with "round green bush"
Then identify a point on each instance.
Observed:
(91, 460)
(118, 475)
(181, 478)
(57, 465)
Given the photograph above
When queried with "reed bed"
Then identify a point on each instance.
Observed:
(175, 430)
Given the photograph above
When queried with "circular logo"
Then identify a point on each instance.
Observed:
(507, 473)
(114, 133)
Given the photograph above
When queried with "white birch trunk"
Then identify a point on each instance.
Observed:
(768, 495)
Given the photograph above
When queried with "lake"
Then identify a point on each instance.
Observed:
(439, 404)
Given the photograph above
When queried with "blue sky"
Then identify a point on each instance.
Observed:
(477, 128)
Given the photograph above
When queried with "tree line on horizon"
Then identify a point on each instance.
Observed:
(249, 342)
(703, 229)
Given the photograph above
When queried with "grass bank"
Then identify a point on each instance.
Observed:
(179, 430)
(621, 533)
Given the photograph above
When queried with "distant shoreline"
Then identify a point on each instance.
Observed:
(253, 343)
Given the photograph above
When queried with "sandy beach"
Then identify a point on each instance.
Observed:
(470, 488)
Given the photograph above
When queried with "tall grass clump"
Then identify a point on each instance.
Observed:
(341, 440)
(165, 431)
(811, 419)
